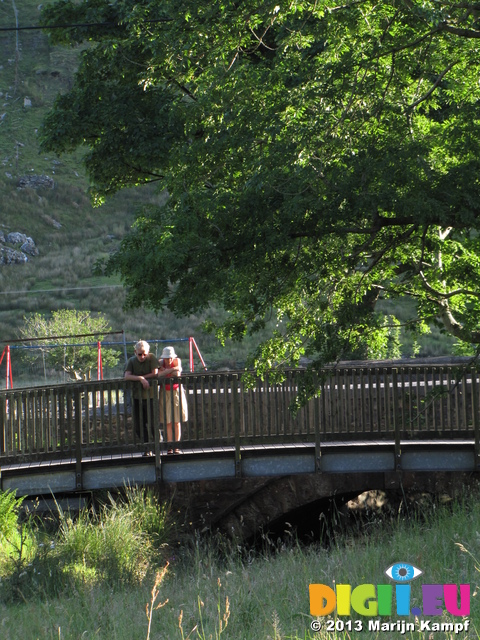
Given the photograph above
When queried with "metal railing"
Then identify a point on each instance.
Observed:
(380, 403)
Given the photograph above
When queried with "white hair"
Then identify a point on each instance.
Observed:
(142, 344)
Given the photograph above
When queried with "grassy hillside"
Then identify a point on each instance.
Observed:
(69, 233)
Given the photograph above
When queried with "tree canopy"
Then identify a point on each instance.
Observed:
(319, 156)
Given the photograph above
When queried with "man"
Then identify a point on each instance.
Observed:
(142, 367)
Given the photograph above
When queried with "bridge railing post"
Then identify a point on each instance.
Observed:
(316, 422)
(475, 417)
(395, 421)
(156, 429)
(78, 438)
(318, 447)
(3, 423)
(236, 424)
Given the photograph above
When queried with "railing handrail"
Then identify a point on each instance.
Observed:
(385, 366)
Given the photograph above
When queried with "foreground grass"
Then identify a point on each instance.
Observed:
(213, 590)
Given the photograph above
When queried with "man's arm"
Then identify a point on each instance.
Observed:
(142, 379)
(129, 375)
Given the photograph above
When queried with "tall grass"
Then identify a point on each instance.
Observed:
(214, 589)
(114, 543)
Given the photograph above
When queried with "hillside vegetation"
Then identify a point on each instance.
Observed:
(69, 233)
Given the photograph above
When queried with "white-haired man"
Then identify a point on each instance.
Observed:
(142, 367)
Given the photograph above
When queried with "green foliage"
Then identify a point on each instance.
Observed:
(9, 510)
(465, 349)
(17, 541)
(68, 327)
(149, 514)
(108, 546)
(318, 157)
(118, 543)
(387, 340)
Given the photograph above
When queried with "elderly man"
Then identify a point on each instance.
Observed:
(142, 367)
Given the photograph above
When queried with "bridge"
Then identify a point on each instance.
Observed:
(246, 458)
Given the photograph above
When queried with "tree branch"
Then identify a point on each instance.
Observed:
(156, 176)
(446, 296)
(453, 326)
(182, 87)
(463, 33)
(434, 86)
(465, 5)
(408, 45)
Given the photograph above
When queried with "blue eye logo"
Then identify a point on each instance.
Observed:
(402, 572)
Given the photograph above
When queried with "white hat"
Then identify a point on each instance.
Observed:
(168, 352)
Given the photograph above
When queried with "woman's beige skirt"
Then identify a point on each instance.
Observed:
(166, 406)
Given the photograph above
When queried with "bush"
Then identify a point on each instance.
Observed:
(117, 544)
(9, 509)
(17, 541)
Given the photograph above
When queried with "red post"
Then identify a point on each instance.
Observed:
(199, 354)
(9, 368)
(190, 349)
(99, 361)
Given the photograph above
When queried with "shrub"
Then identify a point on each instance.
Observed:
(17, 541)
(9, 509)
(115, 544)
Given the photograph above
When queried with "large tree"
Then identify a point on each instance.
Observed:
(318, 156)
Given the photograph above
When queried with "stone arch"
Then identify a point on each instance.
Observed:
(241, 508)
(280, 496)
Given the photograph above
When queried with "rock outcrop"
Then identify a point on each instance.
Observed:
(34, 182)
(12, 256)
(24, 247)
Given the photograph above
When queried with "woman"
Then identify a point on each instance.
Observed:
(169, 365)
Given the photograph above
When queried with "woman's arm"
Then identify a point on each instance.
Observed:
(174, 369)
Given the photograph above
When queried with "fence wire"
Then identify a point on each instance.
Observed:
(33, 365)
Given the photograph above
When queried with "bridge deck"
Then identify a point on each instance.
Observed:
(117, 470)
